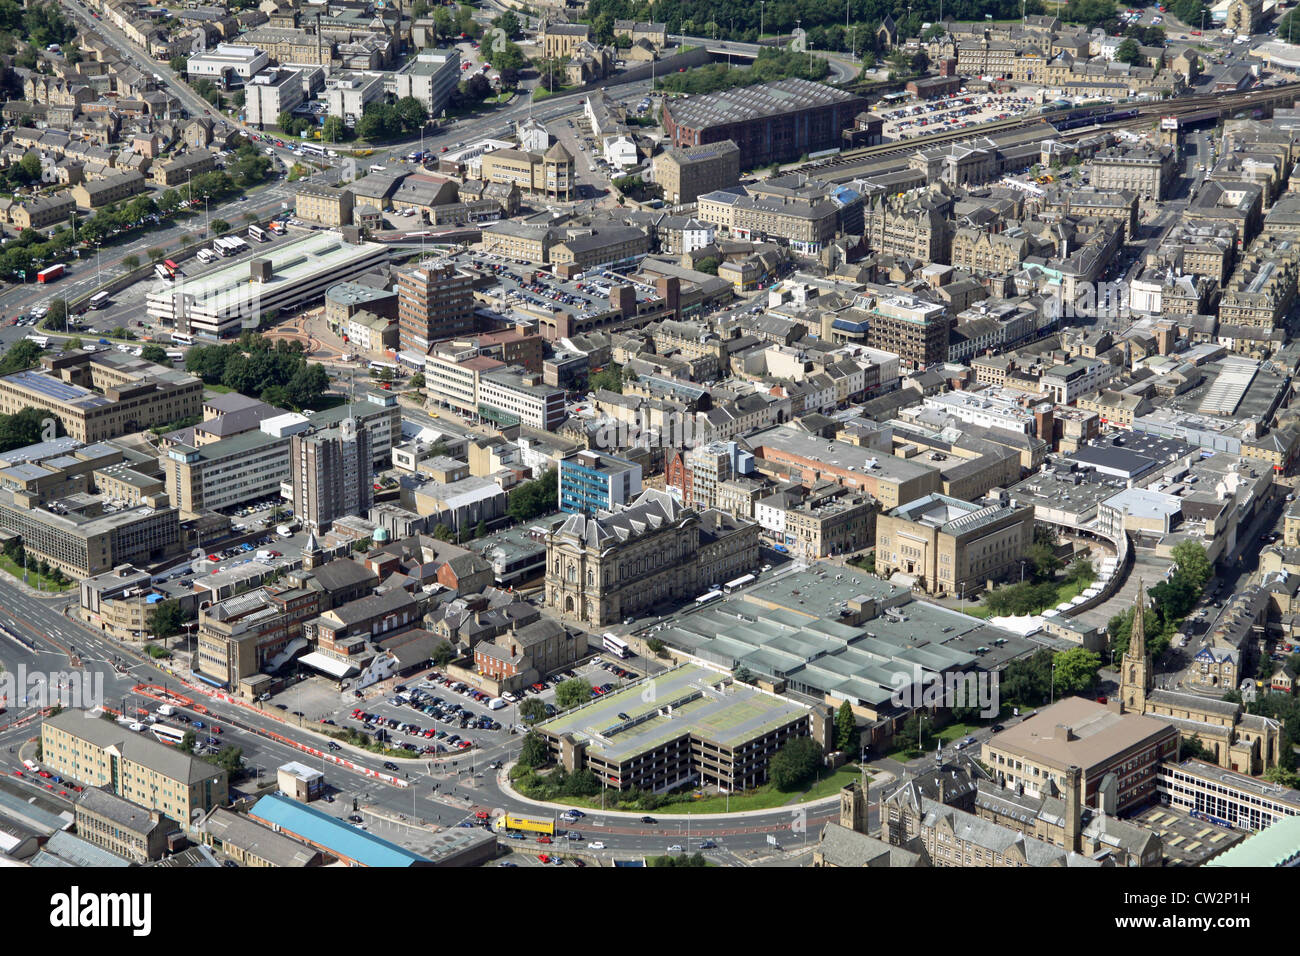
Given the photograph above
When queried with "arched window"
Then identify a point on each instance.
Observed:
(591, 578)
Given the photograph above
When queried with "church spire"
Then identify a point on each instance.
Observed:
(1135, 670)
(1137, 643)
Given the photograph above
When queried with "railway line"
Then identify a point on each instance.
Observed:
(842, 167)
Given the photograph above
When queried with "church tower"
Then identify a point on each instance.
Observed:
(312, 555)
(853, 805)
(1135, 670)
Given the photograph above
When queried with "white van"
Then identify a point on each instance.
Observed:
(31, 765)
(284, 531)
(496, 703)
(166, 710)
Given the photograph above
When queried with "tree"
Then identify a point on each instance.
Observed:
(1044, 560)
(1028, 680)
(532, 499)
(165, 619)
(1076, 671)
(609, 378)
(156, 254)
(187, 742)
(509, 24)
(795, 763)
(477, 88)
(531, 710)
(178, 65)
(535, 753)
(656, 647)
(230, 759)
(708, 265)
(1081, 571)
(1128, 52)
(846, 729)
(1192, 748)
(22, 355)
(156, 354)
(131, 262)
(335, 130)
(220, 226)
(417, 380)
(443, 654)
(31, 167)
(57, 318)
(412, 112)
(571, 693)
(1192, 563)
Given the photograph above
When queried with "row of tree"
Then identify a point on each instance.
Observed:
(15, 552)
(769, 65)
(277, 374)
(740, 19)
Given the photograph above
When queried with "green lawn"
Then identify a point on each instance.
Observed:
(766, 797)
(34, 579)
(1065, 591)
(949, 735)
(219, 389)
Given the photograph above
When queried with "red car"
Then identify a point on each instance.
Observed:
(214, 557)
(543, 839)
(544, 858)
(18, 773)
(44, 773)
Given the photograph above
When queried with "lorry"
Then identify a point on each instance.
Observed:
(50, 273)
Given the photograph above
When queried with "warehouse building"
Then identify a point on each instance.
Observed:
(771, 122)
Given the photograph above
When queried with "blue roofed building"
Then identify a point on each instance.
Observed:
(350, 845)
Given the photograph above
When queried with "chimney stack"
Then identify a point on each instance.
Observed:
(1073, 808)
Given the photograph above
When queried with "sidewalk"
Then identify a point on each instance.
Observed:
(884, 778)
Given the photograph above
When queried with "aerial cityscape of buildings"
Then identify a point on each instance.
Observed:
(508, 436)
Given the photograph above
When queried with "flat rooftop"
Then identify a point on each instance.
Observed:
(705, 703)
(868, 461)
(302, 259)
(1098, 734)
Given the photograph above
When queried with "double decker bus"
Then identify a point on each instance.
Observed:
(616, 646)
(257, 232)
(99, 300)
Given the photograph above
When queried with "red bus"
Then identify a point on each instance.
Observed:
(172, 267)
(50, 273)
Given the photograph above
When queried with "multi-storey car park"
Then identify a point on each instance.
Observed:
(699, 726)
(227, 300)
